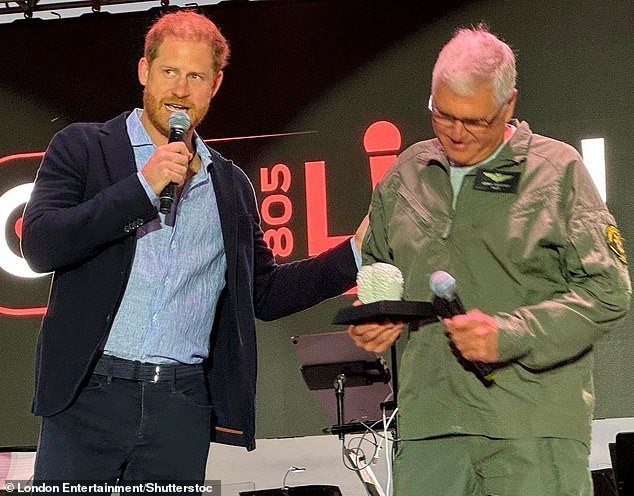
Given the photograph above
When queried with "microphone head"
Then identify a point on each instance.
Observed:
(443, 285)
(179, 120)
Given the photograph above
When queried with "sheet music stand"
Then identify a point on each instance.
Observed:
(324, 358)
(416, 313)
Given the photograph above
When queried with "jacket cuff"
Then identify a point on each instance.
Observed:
(514, 340)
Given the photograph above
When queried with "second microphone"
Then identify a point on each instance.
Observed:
(443, 285)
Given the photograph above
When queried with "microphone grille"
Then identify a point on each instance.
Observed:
(179, 120)
(443, 285)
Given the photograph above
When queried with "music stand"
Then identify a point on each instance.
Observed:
(324, 358)
(333, 366)
(415, 313)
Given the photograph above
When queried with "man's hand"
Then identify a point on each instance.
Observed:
(475, 335)
(374, 336)
(168, 164)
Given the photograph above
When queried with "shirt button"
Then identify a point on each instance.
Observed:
(166, 280)
(154, 318)
(173, 245)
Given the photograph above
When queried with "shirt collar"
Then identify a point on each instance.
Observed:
(138, 135)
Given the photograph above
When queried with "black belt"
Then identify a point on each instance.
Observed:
(120, 368)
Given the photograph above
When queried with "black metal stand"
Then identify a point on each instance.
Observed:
(341, 428)
(339, 393)
(363, 385)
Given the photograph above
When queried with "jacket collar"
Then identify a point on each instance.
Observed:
(512, 154)
(118, 159)
(516, 149)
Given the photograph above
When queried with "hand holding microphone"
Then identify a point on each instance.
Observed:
(474, 333)
(179, 124)
(169, 162)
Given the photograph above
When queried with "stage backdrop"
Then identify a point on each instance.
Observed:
(319, 96)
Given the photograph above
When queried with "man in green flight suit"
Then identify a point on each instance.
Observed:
(540, 266)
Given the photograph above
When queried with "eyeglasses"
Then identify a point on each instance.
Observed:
(472, 125)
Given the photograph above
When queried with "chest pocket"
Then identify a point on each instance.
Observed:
(410, 211)
(415, 236)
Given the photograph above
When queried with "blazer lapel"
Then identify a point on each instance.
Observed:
(118, 153)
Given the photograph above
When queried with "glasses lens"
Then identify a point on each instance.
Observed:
(471, 125)
(441, 119)
(475, 126)
(449, 121)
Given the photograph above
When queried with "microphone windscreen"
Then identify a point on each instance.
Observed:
(179, 120)
(443, 285)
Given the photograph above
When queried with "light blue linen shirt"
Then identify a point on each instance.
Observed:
(178, 272)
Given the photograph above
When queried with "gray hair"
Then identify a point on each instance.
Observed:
(474, 57)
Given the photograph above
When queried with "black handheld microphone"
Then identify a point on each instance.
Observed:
(179, 124)
(443, 285)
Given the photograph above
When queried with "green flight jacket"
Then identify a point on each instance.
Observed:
(531, 243)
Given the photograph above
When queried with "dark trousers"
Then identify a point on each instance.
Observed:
(130, 430)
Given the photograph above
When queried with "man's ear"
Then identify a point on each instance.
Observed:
(143, 70)
(511, 110)
(217, 82)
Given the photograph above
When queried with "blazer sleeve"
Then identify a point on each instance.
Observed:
(283, 289)
(76, 209)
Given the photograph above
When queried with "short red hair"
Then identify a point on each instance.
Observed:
(189, 26)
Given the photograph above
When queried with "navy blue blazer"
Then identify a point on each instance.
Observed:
(80, 224)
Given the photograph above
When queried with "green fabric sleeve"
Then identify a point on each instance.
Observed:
(557, 330)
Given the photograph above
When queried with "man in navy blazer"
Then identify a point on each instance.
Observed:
(147, 351)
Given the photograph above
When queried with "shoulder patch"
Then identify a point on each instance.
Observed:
(615, 242)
